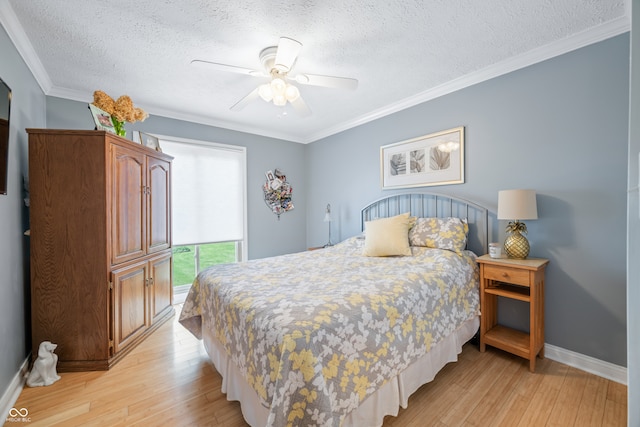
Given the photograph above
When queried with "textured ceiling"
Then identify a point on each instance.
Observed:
(402, 52)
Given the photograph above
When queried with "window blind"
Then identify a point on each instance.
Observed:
(208, 191)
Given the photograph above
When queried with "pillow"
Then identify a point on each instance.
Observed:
(440, 233)
(388, 236)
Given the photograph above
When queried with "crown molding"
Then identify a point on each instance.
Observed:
(81, 96)
(23, 45)
(593, 35)
(223, 124)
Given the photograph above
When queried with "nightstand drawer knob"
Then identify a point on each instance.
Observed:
(505, 275)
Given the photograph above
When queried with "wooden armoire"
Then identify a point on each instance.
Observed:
(101, 267)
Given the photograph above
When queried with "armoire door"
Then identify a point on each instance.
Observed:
(128, 204)
(161, 290)
(159, 204)
(130, 304)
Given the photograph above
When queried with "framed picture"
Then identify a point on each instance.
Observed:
(434, 159)
(150, 141)
(135, 137)
(102, 119)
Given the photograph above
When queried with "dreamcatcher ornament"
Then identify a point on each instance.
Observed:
(277, 192)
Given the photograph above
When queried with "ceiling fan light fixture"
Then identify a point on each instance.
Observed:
(291, 93)
(279, 92)
(280, 100)
(278, 86)
(277, 62)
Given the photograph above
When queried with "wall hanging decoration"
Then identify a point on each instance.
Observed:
(435, 159)
(119, 111)
(277, 192)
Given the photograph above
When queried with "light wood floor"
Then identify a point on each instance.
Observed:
(168, 381)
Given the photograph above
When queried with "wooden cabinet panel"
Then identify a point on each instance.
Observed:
(159, 182)
(69, 273)
(131, 307)
(161, 285)
(128, 204)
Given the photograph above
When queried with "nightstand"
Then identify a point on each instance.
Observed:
(520, 279)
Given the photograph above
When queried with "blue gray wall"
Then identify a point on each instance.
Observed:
(559, 127)
(27, 109)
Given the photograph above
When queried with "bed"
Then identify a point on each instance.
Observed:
(344, 335)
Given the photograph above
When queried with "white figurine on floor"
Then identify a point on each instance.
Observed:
(44, 368)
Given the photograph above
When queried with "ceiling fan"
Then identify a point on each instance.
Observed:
(277, 63)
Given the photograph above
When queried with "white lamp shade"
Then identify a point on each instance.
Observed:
(517, 204)
(327, 214)
(291, 93)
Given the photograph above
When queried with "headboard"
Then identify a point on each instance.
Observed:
(434, 205)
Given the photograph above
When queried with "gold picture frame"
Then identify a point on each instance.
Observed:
(434, 159)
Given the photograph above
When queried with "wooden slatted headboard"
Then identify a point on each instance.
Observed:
(434, 205)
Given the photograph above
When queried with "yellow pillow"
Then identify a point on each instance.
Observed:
(388, 236)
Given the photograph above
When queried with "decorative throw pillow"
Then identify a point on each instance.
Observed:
(388, 236)
(440, 233)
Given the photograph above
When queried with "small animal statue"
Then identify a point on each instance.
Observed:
(44, 368)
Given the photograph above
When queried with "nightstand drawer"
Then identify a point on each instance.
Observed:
(516, 276)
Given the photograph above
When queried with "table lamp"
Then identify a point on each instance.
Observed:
(516, 205)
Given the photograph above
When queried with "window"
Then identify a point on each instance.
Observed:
(208, 200)
(188, 260)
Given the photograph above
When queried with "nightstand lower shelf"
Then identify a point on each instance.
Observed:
(508, 339)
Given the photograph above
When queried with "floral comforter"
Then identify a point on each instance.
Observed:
(315, 333)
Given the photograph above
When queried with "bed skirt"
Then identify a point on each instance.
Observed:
(371, 412)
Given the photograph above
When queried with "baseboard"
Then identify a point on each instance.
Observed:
(586, 363)
(12, 392)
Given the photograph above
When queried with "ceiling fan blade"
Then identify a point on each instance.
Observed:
(224, 67)
(252, 96)
(326, 81)
(288, 50)
(301, 107)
